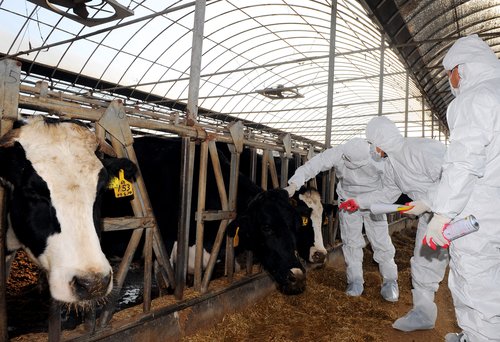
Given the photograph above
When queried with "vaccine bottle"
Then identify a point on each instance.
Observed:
(461, 227)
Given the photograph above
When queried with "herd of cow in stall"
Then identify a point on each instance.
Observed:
(57, 193)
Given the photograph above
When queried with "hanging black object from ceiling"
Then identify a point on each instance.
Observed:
(87, 12)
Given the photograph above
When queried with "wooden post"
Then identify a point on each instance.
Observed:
(237, 133)
(202, 192)
(3, 272)
(233, 194)
(54, 321)
(310, 155)
(114, 121)
(186, 185)
(10, 74)
(263, 170)
(272, 170)
(253, 178)
(214, 156)
(285, 158)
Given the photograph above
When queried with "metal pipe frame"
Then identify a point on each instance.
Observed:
(331, 75)
(92, 113)
(381, 79)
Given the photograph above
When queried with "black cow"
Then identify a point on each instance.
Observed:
(307, 201)
(54, 181)
(267, 221)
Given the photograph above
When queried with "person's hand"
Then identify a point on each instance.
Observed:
(350, 205)
(419, 207)
(291, 189)
(434, 233)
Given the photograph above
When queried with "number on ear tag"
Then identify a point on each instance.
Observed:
(305, 221)
(121, 186)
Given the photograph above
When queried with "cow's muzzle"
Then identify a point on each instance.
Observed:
(91, 286)
(296, 282)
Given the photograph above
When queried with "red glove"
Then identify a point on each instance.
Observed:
(350, 205)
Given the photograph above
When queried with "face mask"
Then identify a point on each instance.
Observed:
(374, 154)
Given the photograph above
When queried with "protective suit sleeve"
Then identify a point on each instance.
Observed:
(389, 192)
(471, 132)
(324, 161)
(431, 155)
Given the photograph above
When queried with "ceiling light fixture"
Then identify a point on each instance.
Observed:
(87, 12)
(281, 92)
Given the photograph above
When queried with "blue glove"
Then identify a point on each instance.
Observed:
(434, 233)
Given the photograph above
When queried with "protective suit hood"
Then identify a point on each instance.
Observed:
(476, 61)
(356, 153)
(470, 49)
(383, 133)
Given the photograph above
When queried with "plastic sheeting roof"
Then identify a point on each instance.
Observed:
(248, 46)
(423, 31)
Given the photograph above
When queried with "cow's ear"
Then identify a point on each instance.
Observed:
(239, 231)
(304, 210)
(114, 165)
(232, 227)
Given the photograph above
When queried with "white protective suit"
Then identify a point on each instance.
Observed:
(414, 168)
(470, 184)
(357, 174)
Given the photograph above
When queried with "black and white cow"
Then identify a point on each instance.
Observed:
(54, 181)
(307, 201)
(272, 237)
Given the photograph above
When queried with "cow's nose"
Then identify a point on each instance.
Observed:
(296, 276)
(295, 282)
(90, 286)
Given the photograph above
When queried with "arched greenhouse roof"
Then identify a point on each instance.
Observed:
(266, 62)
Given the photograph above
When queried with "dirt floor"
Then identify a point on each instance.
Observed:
(325, 313)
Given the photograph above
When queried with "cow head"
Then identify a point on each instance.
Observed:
(268, 227)
(307, 201)
(55, 180)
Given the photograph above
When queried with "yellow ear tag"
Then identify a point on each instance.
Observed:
(305, 221)
(121, 186)
(236, 238)
(325, 221)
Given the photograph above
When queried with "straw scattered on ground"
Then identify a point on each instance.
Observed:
(322, 313)
(325, 313)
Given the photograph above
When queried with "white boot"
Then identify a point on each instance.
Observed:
(455, 337)
(422, 316)
(390, 290)
(354, 289)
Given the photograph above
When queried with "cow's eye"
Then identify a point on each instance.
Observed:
(267, 229)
